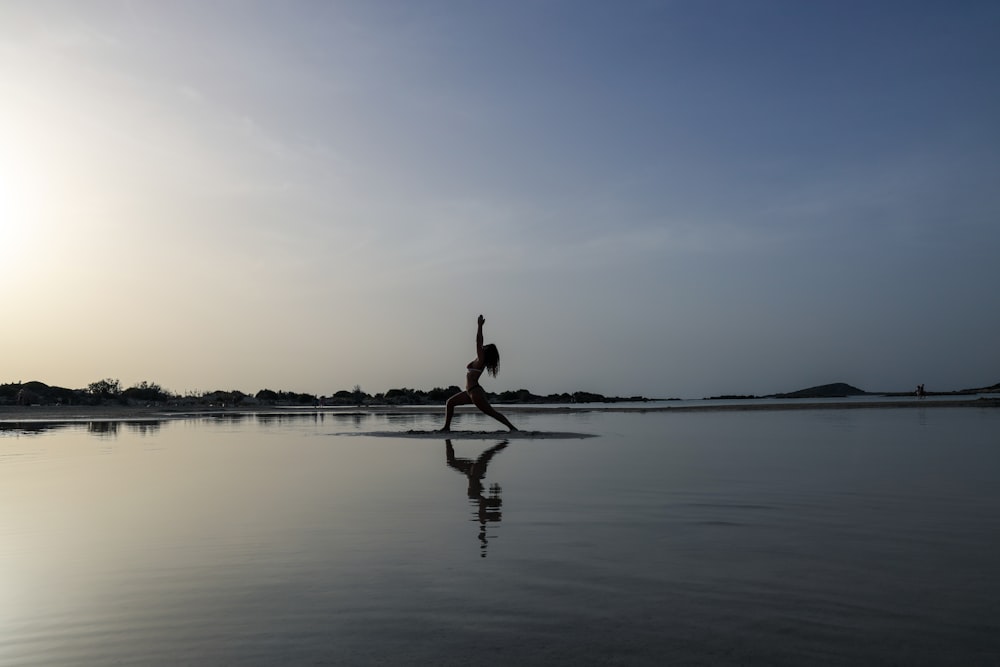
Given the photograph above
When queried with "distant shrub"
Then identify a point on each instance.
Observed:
(147, 392)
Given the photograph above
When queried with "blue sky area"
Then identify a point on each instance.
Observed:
(666, 198)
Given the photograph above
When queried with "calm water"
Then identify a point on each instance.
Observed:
(783, 538)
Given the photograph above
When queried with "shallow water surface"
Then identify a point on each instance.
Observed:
(778, 538)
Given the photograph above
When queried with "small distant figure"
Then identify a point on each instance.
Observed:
(28, 397)
(487, 359)
(920, 391)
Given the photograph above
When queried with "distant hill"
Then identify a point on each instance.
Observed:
(37, 393)
(835, 390)
(995, 389)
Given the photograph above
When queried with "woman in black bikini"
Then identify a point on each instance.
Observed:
(487, 359)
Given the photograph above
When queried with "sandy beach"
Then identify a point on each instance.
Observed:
(458, 434)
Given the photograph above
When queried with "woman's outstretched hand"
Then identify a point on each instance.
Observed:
(482, 320)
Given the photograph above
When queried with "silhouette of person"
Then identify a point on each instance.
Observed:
(487, 508)
(487, 359)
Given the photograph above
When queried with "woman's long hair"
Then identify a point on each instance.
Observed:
(491, 355)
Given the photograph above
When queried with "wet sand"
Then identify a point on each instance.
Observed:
(11, 413)
(476, 435)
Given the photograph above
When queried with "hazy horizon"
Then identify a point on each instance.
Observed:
(668, 199)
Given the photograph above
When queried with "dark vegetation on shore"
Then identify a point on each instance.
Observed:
(110, 392)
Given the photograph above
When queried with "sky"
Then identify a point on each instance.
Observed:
(673, 199)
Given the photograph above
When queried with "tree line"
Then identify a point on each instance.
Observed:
(109, 391)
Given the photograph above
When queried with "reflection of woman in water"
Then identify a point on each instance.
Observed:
(487, 359)
(487, 508)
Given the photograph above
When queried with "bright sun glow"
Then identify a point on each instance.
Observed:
(16, 191)
(46, 164)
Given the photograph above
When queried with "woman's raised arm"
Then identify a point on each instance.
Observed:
(479, 338)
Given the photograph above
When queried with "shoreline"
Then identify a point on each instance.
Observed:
(17, 414)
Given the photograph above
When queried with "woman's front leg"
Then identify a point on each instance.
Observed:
(461, 398)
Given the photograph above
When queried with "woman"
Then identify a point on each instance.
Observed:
(487, 359)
